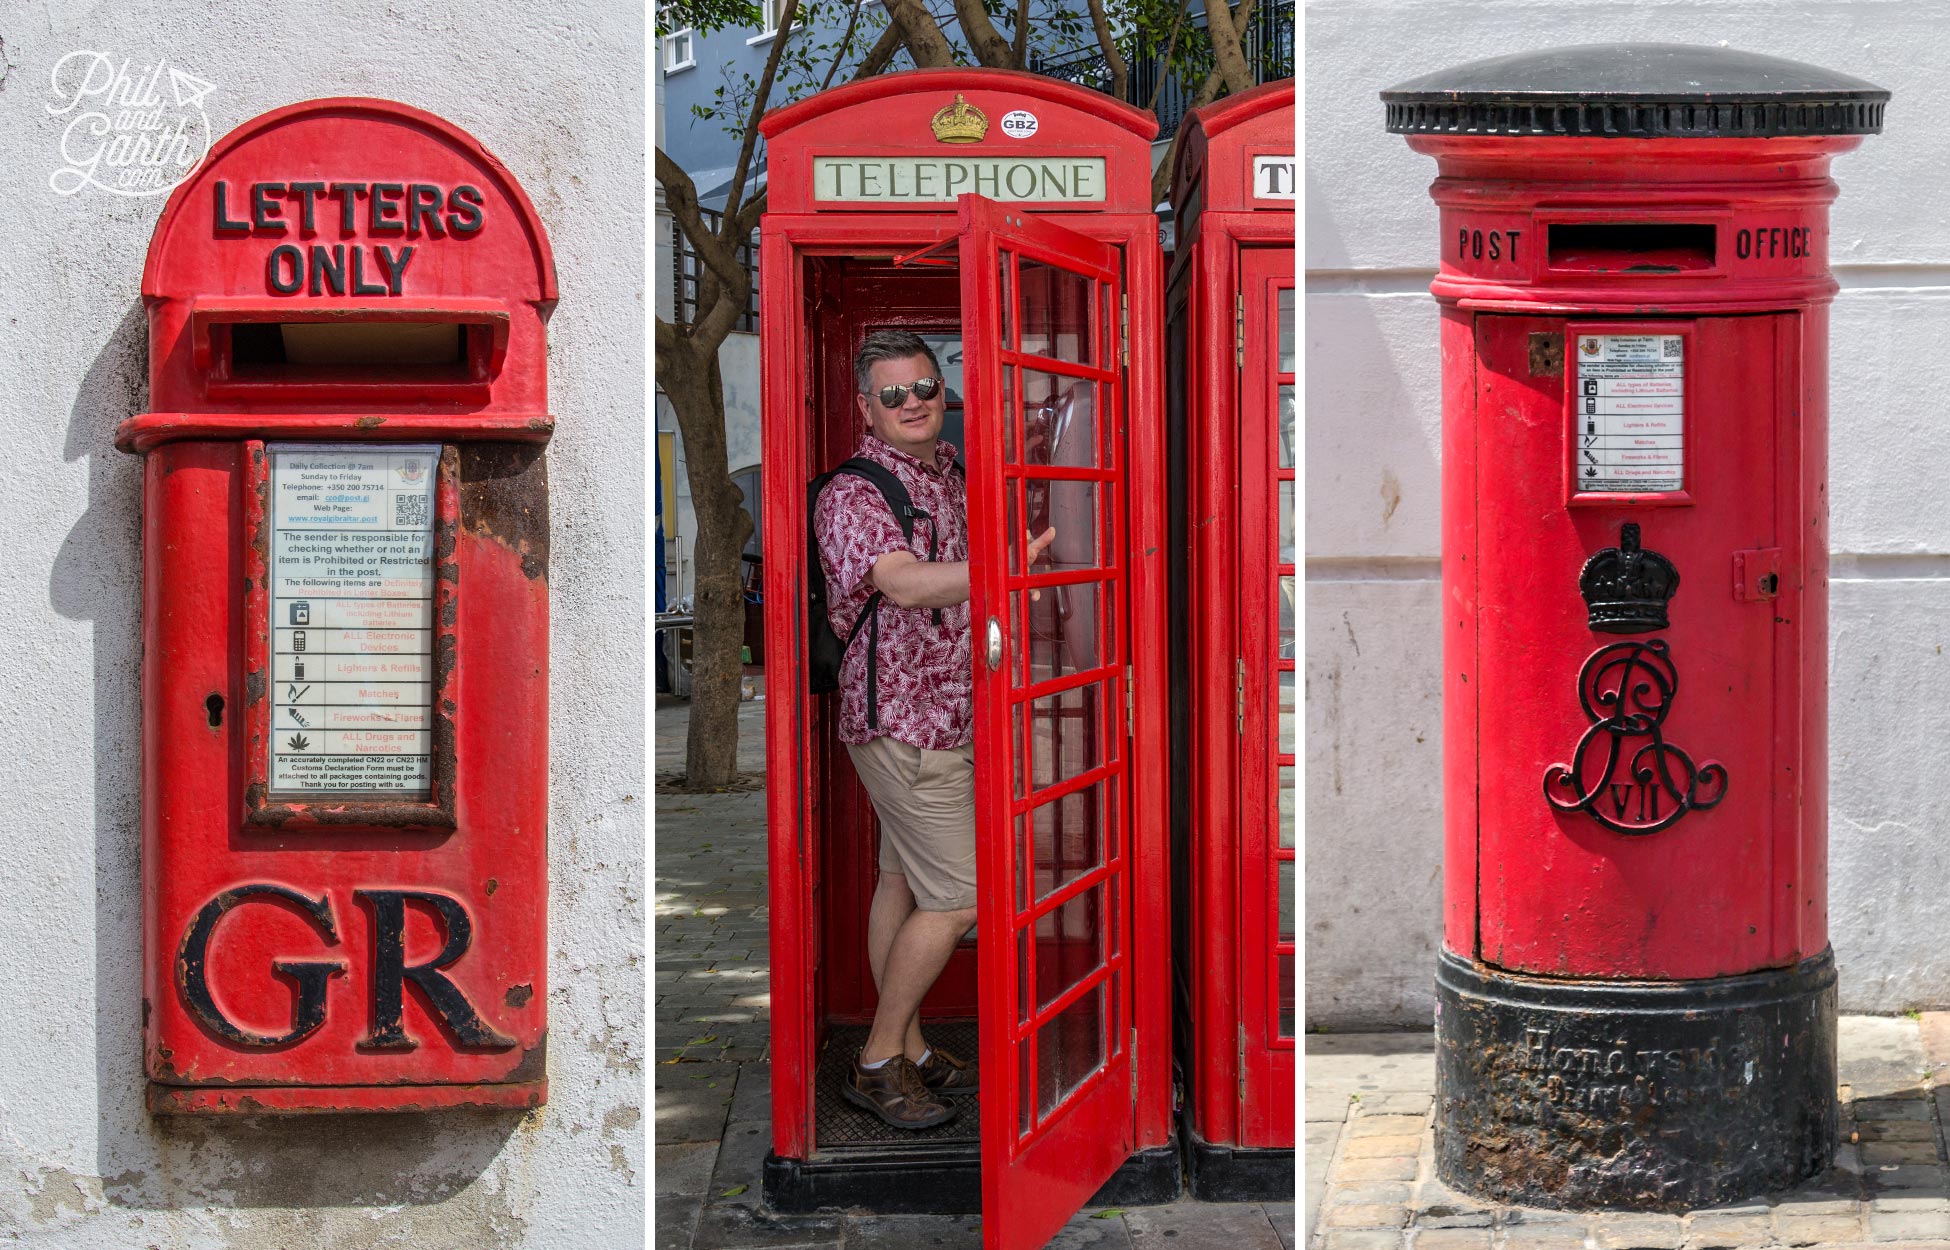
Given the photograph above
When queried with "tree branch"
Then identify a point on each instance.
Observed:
(921, 33)
(754, 209)
(669, 341)
(680, 197)
(1022, 35)
(1171, 48)
(760, 97)
(1120, 73)
(846, 42)
(1228, 49)
(990, 48)
(1208, 91)
(708, 331)
(881, 55)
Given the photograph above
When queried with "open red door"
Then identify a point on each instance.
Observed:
(1045, 406)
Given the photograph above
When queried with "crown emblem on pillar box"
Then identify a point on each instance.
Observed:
(960, 122)
(1626, 588)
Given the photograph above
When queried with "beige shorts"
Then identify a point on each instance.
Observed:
(926, 804)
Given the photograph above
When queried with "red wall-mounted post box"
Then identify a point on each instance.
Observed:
(1230, 356)
(345, 622)
(1006, 218)
(1636, 997)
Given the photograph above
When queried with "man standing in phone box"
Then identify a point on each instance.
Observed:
(910, 732)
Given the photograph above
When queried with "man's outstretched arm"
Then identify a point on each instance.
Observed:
(911, 582)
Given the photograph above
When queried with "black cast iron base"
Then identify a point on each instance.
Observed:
(1220, 1173)
(1646, 1096)
(942, 1181)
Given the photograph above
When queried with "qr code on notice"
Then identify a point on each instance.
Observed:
(1672, 347)
(410, 511)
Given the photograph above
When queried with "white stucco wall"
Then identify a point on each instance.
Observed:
(556, 92)
(1373, 507)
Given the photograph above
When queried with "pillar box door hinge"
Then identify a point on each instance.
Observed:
(1241, 1069)
(1239, 328)
(1130, 701)
(1134, 1063)
(1757, 574)
(1239, 696)
(1124, 327)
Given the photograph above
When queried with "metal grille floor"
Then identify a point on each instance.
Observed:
(837, 1123)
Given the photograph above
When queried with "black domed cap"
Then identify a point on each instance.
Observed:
(1636, 91)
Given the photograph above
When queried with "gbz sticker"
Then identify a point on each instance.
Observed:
(1019, 123)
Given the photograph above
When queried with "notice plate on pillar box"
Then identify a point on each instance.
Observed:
(352, 619)
(1629, 413)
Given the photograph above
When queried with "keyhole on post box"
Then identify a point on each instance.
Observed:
(215, 705)
(1769, 583)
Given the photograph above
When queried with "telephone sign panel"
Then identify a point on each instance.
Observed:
(345, 623)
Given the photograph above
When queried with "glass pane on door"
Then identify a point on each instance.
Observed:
(1046, 405)
(1067, 678)
(1281, 866)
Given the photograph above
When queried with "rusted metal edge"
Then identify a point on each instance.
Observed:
(148, 430)
(333, 1099)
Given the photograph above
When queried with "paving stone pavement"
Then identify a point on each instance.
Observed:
(1370, 1160)
(710, 1032)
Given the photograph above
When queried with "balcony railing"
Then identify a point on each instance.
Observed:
(1268, 45)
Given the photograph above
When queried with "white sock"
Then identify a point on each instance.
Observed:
(876, 1064)
(925, 1052)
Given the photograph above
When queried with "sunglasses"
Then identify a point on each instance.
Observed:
(923, 388)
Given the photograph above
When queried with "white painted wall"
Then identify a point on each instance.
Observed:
(1373, 506)
(554, 91)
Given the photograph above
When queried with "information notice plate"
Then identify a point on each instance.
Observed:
(352, 620)
(1630, 413)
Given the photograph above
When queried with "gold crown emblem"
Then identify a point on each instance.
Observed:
(960, 122)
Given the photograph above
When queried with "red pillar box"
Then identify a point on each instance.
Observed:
(1636, 998)
(1230, 353)
(1006, 218)
(345, 622)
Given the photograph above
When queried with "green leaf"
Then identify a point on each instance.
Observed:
(706, 16)
(1108, 1213)
(734, 1191)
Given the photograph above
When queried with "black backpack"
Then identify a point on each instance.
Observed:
(824, 650)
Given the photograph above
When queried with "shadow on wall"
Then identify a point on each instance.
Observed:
(190, 1162)
(1373, 660)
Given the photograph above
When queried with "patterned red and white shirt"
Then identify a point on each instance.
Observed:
(926, 674)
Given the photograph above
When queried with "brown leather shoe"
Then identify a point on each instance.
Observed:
(946, 1074)
(894, 1092)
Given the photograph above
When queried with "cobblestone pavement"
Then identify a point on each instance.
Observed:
(1370, 1165)
(713, 1069)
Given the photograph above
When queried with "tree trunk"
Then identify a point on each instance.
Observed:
(921, 33)
(1226, 26)
(696, 391)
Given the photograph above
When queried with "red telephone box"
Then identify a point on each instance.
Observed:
(345, 622)
(1636, 997)
(1006, 218)
(1230, 354)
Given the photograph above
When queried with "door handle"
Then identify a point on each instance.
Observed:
(995, 644)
